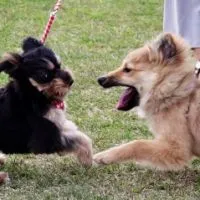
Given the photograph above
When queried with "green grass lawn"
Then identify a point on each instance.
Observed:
(92, 37)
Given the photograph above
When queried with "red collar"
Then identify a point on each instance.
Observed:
(58, 104)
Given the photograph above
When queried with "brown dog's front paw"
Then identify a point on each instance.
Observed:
(102, 158)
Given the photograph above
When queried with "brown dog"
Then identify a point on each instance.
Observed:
(161, 81)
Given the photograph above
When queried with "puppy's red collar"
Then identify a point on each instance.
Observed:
(59, 104)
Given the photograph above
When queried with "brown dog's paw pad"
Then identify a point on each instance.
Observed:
(4, 177)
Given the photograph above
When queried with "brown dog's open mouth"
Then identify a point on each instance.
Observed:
(128, 99)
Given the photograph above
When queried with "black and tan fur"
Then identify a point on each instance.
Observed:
(29, 120)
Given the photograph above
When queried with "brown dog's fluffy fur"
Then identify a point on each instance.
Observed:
(163, 74)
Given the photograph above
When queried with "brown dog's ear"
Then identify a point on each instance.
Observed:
(10, 62)
(167, 46)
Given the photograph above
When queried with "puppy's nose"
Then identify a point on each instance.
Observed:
(71, 82)
(65, 76)
(102, 80)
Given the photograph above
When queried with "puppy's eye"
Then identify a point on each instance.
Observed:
(126, 70)
(44, 76)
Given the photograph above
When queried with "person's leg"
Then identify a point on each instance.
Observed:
(182, 17)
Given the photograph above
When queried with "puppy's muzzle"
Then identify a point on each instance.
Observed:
(70, 82)
(108, 82)
(65, 76)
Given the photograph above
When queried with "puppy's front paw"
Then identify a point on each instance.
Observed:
(4, 177)
(84, 150)
(102, 158)
(2, 159)
(85, 159)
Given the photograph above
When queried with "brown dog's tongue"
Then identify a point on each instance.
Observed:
(128, 99)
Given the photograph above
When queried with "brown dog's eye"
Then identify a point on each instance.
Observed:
(126, 70)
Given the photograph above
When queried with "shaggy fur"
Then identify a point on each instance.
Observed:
(162, 73)
(29, 120)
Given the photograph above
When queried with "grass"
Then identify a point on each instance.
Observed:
(92, 37)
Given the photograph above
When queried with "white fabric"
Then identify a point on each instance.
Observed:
(183, 18)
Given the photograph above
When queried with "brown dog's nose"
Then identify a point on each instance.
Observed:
(108, 81)
(102, 80)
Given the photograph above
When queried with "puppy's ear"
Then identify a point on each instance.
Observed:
(10, 63)
(167, 46)
(30, 43)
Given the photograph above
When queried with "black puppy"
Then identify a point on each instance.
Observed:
(32, 116)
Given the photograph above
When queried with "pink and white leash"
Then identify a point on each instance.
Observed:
(51, 20)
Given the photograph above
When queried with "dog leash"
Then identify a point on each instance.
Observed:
(58, 104)
(50, 21)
